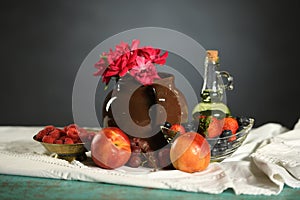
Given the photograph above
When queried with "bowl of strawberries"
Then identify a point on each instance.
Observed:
(68, 143)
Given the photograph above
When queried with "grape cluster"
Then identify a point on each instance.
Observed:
(143, 155)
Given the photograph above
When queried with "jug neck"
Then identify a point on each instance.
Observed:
(211, 91)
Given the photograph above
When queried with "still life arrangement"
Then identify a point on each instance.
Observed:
(127, 138)
(152, 137)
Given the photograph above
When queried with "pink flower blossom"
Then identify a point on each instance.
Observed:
(145, 71)
(138, 62)
(135, 44)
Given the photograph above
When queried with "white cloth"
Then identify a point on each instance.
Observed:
(268, 159)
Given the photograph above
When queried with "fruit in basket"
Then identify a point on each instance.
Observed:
(49, 134)
(58, 142)
(178, 128)
(66, 143)
(190, 152)
(226, 133)
(110, 148)
(71, 134)
(230, 123)
(46, 130)
(48, 139)
(228, 142)
(55, 134)
(210, 126)
(72, 131)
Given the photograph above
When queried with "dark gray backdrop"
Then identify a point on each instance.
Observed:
(43, 44)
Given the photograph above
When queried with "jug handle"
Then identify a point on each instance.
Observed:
(229, 78)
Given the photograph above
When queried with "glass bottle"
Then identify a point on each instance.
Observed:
(213, 99)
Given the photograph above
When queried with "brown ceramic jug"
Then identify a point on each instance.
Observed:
(140, 110)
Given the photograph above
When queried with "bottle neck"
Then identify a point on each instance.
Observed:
(211, 91)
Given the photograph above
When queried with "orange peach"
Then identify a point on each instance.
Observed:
(190, 152)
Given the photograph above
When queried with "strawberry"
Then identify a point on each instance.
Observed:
(177, 128)
(62, 138)
(58, 142)
(210, 126)
(68, 141)
(40, 135)
(45, 131)
(232, 138)
(48, 139)
(55, 133)
(49, 128)
(62, 133)
(215, 128)
(76, 140)
(72, 132)
(70, 126)
(230, 123)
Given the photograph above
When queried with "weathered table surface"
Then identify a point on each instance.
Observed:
(19, 187)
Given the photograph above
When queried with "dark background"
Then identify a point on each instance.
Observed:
(43, 44)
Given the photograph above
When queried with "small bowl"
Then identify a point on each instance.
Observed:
(67, 152)
(222, 148)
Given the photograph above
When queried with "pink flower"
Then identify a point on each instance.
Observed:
(119, 67)
(138, 62)
(145, 71)
(154, 55)
(135, 44)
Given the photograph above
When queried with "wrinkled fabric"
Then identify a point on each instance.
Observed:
(268, 159)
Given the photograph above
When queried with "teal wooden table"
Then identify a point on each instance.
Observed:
(18, 187)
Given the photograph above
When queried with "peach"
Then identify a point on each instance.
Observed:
(190, 152)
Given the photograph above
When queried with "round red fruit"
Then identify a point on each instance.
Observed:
(39, 136)
(48, 139)
(58, 142)
(190, 152)
(178, 128)
(49, 128)
(230, 123)
(110, 148)
(55, 133)
(68, 141)
(72, 132)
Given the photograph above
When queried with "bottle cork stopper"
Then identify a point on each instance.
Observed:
(212, 55)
